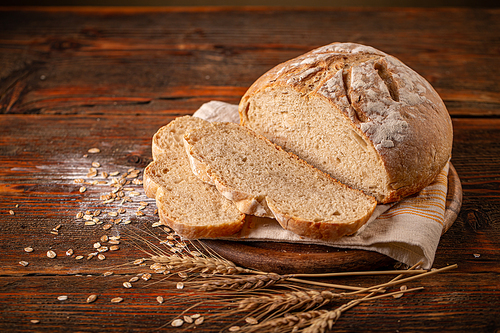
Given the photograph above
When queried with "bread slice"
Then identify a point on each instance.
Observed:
(357, 114)
(191, 207)
(264, 180)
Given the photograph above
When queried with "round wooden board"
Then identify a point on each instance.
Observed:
(284, 258)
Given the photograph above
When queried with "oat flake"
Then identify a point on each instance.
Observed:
(177, 323)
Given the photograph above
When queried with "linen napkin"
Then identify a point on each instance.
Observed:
(408, 231)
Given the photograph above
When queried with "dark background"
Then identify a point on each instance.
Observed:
(313, 3)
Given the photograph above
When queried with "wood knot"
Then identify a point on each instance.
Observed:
(477, 219)
(63, 45)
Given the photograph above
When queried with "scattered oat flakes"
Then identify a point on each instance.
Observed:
(28, 249)
(156, 224)
(146, 276)
(114, 248)
(96, 164)
(127, 222)
(234, 328)
(34, 321)
(97, 245)
(96, 212)
(94, 150)
(116, 300)
(476, 255)
(127, 284)
(108, 273)
(69, 252)
(92, 298)
(177, 323)
(79, 215)
(138, 261)
(102, 249)
(101, 256)
(114, 173)
(182, 275)
(139, 213)
(107, 226)
(199, 321)
(114, 242)
(51, 254)
(11, 212)
(83, 189)
(159, 299)
(133, 279)
(180, 285)
(251, 320)
(104, 238)
(78, 257)
(113, 214)
(24, 263)
(90, 223)
(399, 295)
(188, 319)
(62, 298)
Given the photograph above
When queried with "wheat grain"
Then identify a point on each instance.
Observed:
(92, 298)
(289, 322)
(94, 150)
(51, 254)
(200, 264)
(323, 322)
(28, 249)
(177, 323)
(117, 300)
(24, 263)
(245, 283)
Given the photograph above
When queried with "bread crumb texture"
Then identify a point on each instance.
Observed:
(262, 179)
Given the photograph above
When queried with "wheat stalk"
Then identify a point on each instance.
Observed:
(251, 282)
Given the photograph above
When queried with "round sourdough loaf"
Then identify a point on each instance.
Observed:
(356, 113)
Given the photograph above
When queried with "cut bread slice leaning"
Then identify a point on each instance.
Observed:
(264, 180)
(193, 208)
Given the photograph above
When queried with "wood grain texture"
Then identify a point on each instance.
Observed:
(73, 79)
(82, 61)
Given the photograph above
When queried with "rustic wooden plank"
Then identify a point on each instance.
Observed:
(78, 61)
(455, 300)
(42, 155)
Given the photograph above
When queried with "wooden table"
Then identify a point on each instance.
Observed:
(108, 78)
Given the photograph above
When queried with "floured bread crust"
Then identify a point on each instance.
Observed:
(398, 119)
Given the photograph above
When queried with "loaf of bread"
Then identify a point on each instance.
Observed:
(193, 208)
(356, 113)
(264, 180)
